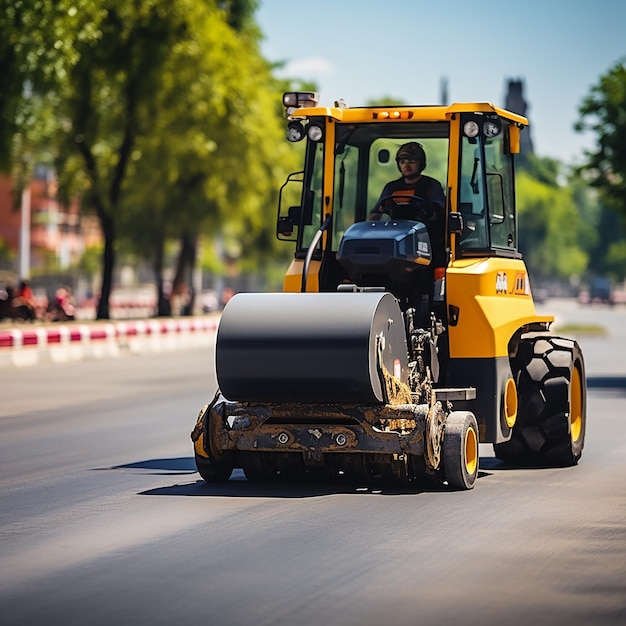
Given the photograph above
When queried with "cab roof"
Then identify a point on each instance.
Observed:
(426, 113)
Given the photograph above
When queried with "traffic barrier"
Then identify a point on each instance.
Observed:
(74, 341)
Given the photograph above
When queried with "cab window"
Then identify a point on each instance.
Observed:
(486, 196)
(500, 193)
(314, 185)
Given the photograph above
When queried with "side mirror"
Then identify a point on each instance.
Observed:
(286, 223)
(289, 217)
(284, 227)
(455, 223)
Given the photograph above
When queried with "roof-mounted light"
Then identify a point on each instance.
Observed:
(394, 114)
(297, 99)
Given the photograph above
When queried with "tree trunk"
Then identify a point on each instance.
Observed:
(108, 263)
(164, 307)
(183, 287)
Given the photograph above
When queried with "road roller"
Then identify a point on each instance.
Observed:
(406, 333)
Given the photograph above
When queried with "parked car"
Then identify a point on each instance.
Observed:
(600, 292)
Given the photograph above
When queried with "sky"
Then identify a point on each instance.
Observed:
(361, 50)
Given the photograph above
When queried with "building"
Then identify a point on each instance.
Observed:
(58, 234)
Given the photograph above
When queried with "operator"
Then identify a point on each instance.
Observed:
(429, 206)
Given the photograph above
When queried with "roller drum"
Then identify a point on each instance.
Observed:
(308, 347)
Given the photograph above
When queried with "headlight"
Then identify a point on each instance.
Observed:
(470, 129)
(491, 128)
(314, 132)
(295, 131)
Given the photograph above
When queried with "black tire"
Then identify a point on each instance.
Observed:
(213, 471)
(258, 467)
(212, 468)
(460, 450)
(552, 399)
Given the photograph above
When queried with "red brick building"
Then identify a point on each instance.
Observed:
(58, 234)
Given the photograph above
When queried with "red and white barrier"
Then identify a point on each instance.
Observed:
(63, 342)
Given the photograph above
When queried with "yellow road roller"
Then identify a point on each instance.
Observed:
(406, 332)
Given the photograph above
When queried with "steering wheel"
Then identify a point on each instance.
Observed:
(405, 206)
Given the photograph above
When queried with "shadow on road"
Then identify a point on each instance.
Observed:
(239, 486)
(496, 465)
(162, 467)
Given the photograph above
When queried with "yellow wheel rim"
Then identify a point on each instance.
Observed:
(510, 403)
(576, 406)
(471, 451)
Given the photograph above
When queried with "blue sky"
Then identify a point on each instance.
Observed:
(360, 50)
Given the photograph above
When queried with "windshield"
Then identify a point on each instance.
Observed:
(364, 163)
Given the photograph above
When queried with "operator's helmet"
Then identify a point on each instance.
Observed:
(412, 150)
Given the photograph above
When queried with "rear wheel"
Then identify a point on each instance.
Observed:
(551, 419)
(460, 450)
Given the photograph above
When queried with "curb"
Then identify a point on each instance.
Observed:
(75, 341)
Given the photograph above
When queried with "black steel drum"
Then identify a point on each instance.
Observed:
(309, 347)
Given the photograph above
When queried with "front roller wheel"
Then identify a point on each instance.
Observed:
(460, 450)
(213, 471)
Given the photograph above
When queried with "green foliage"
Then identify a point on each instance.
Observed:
(162, 115)
(543, 169)
(5, 252)
(10, 83)
(603, 112)
(216, 155)
(239, 13)
(550, 229)
(566, 231)
(89, 263)
(615, 261)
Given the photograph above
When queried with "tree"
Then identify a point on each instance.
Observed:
(11, 82)
(216, 155)
(26, 117)
(94, 70)
(551, 228)
(603, 112)
(166, 97)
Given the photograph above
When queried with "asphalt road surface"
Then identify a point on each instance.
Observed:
(103, 520)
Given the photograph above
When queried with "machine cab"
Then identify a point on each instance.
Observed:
(350, 156)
